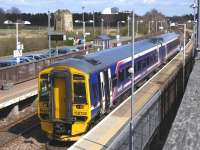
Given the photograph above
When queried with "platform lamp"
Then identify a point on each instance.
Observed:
(184, 44)
(19, 46)
(194, 7)
(131, 70)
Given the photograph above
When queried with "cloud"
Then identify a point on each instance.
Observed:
(149, 1)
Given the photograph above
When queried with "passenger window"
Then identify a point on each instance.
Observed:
(79, 93)
(148, 61)
(139, 66)
(144, 64)
(114, 81)
(121, 76)
(128, 74)
(94, 87)
(44, 89)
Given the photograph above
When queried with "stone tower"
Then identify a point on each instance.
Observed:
(63, 21)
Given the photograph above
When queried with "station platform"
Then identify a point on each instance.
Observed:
(18, 93)
(185, 130)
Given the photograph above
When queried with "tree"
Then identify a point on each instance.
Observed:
(154, 15)
(14, 10)
(2, 16)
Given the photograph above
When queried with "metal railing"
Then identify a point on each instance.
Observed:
(27, 71)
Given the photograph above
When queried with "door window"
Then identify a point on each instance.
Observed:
(79, 93)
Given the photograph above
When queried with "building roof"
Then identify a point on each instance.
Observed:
(103, 37)
(97, 61)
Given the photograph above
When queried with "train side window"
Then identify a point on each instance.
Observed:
(139, 66)
(79, 93)
(44, 89)
(148, 61)
(94, 87)
(128, 74)
(114, 81)
(121, 76)
(144, 64)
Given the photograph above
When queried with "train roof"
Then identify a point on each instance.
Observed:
(97, 61)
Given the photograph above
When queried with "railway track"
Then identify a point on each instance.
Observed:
(17, 129)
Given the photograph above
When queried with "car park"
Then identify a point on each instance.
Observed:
(6, 63)
(34, 57)
(22, 59)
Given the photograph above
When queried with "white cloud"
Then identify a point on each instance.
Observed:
(149, 1)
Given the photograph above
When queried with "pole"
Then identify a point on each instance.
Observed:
(184, 42)
(194, 30)
(137, 27)
(17, 41)
(83, 18)
(83, 28)
(49, 19)
(132, 87)
(94, 23)
(118, 32)
(149, 27)
(102, 24)
(156, 26)
(84, 35)
(198, 27)
(128, 26)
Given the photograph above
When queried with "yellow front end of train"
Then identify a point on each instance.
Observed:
(64, 102)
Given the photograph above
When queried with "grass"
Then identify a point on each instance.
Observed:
(35, 38)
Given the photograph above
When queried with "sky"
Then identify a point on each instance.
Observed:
(167, 7)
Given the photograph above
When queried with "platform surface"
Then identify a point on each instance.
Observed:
(18, 93)
(185, 131)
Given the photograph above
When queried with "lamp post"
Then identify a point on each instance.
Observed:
(118, 32)
(19, 46)
(184, 44)
(102, 25)
(150, 25)
(49, 32)
(83, 21)
(137, 27)
(118, 26)
(84, 33)
(131, 70)
(128, 20)
(194, 7)
(94, 24)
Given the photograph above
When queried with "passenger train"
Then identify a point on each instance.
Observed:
(73, 92)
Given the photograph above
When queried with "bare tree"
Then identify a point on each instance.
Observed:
(2, 15)
(14, 10)
(154, 15)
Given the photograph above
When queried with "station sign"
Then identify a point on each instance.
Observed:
(17, 53)
(58, 37)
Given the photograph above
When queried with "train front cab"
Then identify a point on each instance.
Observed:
(64, 103)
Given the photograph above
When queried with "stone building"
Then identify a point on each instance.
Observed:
(63, 21)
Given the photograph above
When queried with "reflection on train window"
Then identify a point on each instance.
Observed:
(114, 81)
(79, 93)
(94, 87)
(139, 66)
(44, 89)
(128, 74)
(148, 61)
(121, 76)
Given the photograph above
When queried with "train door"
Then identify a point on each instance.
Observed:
(61, 98)
(106, 90)
(162, 53)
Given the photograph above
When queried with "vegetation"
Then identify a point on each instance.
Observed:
(34, 37)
